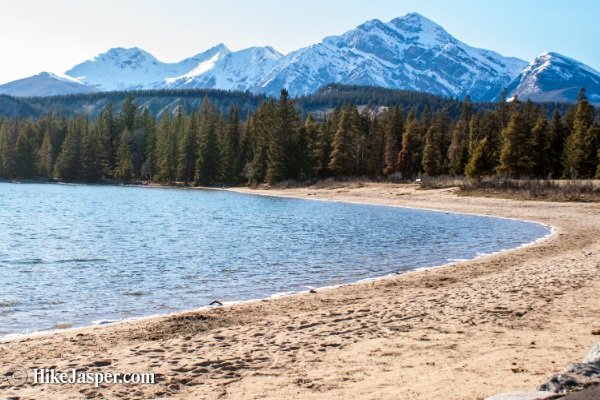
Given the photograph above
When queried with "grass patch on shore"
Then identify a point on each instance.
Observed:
(533, 189)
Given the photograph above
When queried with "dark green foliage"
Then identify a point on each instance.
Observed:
(436, 146)
(557, 134)
(540, 147)
(124, 169)
(580, 152)
(283, 152)
(68, 163)
(480, 163)
(392, 125)
(458, 152)
(207, 165)
(407, 161)
(516, 156)
(24, 159)
(210, 145)
(343, 157)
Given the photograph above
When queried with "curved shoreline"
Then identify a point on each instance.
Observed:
(108, 321)
(469, 330)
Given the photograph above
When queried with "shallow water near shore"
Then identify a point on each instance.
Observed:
(71, 255)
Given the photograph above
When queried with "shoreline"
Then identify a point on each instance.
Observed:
(374, 339)
(552, 232)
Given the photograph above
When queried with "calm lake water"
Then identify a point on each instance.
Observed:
(79, 255)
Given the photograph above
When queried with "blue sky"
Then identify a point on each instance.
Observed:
(41, 35)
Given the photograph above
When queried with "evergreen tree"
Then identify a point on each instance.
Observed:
(479, 164)
(95, 152)
(186, 163)
(68, 163)
(407, 162)
(46, 165)
(207, 165)
(458, 152)
(579, 156)
(516, 154)
(259, 132)
(124, 168)
(128, 114)
(232, 155)
(557, 134)
(25, 152)
(540, 147)
(166, 149)
(148, 124)
(282, 161)
(393, 127)
(343, 156)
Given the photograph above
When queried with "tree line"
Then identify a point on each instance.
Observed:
(274, 143)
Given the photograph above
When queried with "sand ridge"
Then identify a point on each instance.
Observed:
(464, 331)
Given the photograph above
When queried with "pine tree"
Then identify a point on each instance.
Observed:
(311, 137)
(259, 129)
(282, 161)
(343, 156)
(186, 163)
(374, 162)
(95, 153)
(393, 127)
(68, 163)
(128, 114)
(10, 133)
(557, 135)
(580, 152)
(207, 164)
(25, 154)
(46, 165)
(166, 149)
(479, 164)
(232, 155)
(124, 167)
(436, 147)
(148, 124)
(458, 152)
(407, 165)
(540, 147)
(515, 159)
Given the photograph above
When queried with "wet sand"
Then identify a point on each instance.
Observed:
(464, 331)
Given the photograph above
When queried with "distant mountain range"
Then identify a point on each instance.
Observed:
(408, 53)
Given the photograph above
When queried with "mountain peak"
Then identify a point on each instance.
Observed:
(409, 53)
(414, 22)
(555, 77)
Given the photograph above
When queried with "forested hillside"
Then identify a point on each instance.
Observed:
(275, 142)
(159, 101)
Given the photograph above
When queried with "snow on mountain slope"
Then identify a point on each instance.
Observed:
(238, 70)
(130, 69)
(554, 77)
(410, 52)
(45, 84)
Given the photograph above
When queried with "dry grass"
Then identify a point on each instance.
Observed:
(533, 189)
(441, 182)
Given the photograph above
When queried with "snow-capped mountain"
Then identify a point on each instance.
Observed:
(228, 70)
(132, 69)
(410, 53)
(554, 77)
(45, 84)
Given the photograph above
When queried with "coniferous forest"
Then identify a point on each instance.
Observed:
(208, 145)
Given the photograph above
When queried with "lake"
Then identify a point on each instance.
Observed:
(76, 255)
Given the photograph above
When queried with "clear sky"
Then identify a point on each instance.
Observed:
(55, 35)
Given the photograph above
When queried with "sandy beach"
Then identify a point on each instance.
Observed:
(463, 331)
